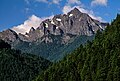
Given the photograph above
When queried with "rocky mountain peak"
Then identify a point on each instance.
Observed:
(9, 35)
(74, 23)
(75, 11)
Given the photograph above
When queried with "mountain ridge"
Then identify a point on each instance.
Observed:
(55, 34)
(74, 22)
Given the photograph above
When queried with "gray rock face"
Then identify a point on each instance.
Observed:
(23, 37)
(9, 36)
(73, 23)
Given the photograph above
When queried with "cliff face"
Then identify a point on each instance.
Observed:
(9, 36)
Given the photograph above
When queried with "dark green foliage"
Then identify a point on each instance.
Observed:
(98, 60)
(62, 51)
(15, 66)
(4, 44)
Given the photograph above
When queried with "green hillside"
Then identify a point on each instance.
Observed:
(98, 60)
(15, 66)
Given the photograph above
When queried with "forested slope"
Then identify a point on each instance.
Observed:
(15, 66)
(98, 60)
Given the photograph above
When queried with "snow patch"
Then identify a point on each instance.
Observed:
(80, 19)
(70, 15)
(57, 27)
(46, 25)
(58, 19)
(26, 35)
(100, 26)
(52, 22)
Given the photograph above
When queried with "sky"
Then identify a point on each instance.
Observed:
(21, 15)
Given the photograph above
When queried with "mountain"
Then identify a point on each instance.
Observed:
(73, 23)
(98, 60)
(16, 66)
(56, 37)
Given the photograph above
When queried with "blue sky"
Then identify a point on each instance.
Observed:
(20, 14)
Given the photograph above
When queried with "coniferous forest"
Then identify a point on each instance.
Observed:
(17, 66)
(98, 60)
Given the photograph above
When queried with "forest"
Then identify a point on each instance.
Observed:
(98, 60)
(17, 66)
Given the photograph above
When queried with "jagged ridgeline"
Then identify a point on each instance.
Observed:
(55, 37)
(98, 60)
(16, 66)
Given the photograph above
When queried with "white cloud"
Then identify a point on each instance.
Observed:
(73, 2)
(44, 1)
(56, 1)
(33, 21)
(50, 2)
(99, 2)
(68, 8)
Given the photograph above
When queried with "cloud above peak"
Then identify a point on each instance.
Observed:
(70, 2)
(50, 2)
(44, 1)
(33, 21)
(56, 1)
(99, 2)
(69, 5)
(68, 8)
